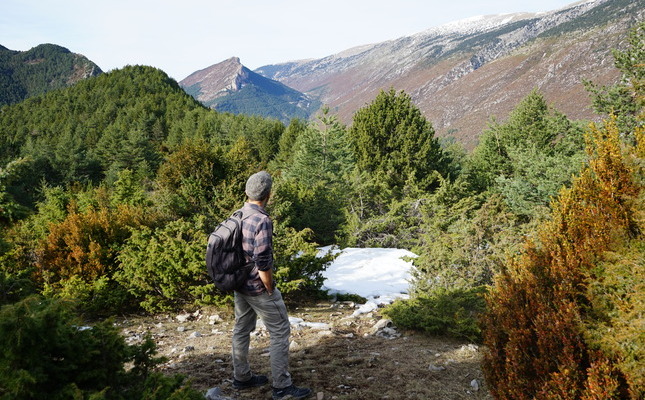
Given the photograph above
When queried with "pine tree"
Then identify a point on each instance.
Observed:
(321, 153)
(391, 136)
(528, 158)
(625, 100)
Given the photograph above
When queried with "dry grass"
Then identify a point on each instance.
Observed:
(347, 362)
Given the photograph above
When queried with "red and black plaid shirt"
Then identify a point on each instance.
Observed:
(257, 242)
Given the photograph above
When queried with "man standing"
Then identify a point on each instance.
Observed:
(260, 297)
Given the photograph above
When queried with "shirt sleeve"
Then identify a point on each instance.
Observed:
(263, 249)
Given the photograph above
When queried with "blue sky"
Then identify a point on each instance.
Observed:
(181, 37)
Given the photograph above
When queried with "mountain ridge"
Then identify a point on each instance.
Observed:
(463, 73)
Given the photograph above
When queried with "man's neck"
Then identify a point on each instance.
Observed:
(261, 203)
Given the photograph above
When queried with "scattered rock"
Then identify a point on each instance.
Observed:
(183, 317)
(134, 337)
(436, 368)
(468, 349)
(305, 334)
(385, 329)
(215, 394)
(294, 346)
(388, 333)
(383, 323)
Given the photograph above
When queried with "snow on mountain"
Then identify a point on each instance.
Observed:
(462, 73)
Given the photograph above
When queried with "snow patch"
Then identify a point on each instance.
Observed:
(381, 275)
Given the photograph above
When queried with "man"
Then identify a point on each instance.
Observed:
(260, 297)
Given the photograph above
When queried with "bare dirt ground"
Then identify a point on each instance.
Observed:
(345, 360)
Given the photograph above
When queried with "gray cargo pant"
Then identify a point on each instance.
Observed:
(273, 312)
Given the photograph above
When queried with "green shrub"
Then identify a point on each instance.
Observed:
(299, 269)
(444, 312)
(617, 297)
(350, 297)
(47, 353)
(101, 297)
(165, 267)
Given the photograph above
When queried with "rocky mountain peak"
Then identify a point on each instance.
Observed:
(217, 80)
(231, 87)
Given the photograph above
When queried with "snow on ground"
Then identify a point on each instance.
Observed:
(381, 275)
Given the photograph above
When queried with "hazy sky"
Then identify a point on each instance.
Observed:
(183, 36)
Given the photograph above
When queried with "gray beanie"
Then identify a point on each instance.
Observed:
(258, 186)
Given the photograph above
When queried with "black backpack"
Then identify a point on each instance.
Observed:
(226, 262)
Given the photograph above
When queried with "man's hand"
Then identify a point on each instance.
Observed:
(267, 280)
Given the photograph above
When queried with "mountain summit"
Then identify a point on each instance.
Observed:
(216, 81)
(231, 87)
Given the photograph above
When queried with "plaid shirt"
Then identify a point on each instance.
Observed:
(257, 242)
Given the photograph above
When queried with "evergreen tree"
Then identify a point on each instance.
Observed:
(625, 100)
(391, 136)
(320, 153)
(10, 209)
(287, 142)
(312, 189)
(529, 157)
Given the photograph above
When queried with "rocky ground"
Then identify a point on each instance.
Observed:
(336, 353)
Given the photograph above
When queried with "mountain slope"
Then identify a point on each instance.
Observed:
(230, 87)
(461, 74)
(45, 67)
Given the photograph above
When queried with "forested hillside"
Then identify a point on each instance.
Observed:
(109, 188)
(46, 67)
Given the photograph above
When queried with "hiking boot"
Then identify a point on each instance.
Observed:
(255, 381)
(291, 392)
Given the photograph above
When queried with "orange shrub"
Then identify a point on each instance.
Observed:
(539, 308)
(85, 244)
